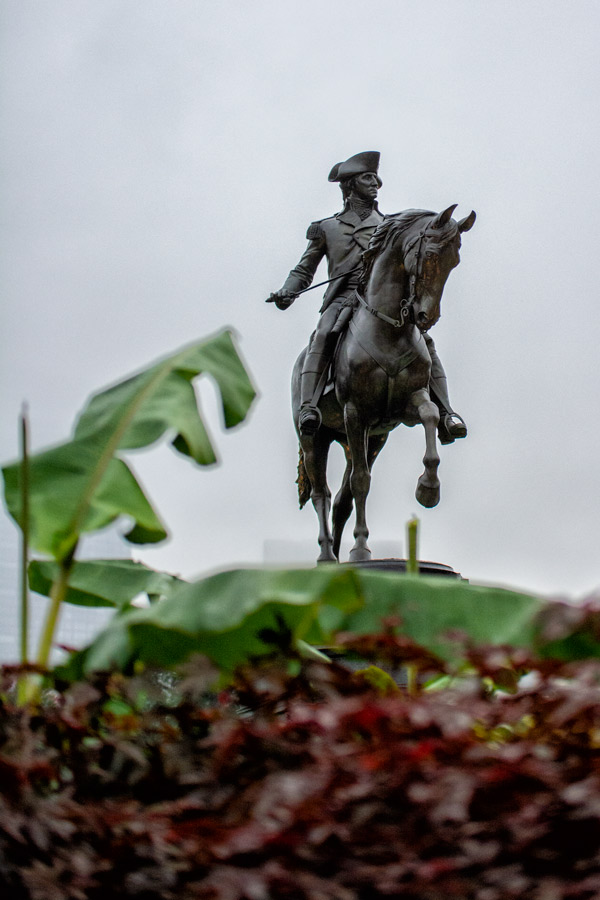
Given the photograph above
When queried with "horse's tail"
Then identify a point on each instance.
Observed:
(302, 481)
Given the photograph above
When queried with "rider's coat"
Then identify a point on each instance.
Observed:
(342, 239)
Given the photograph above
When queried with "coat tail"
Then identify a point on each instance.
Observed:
(302, 480)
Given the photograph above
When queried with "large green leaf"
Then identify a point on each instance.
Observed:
(104, 582)
(74, 489)
(162, 397)
(431, 608)
(225, 616)
(83, 485)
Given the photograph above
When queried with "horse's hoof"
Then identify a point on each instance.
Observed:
(326, 556)
(359, 554)
(428, 495)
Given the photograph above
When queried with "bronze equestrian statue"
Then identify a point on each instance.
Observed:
(342, 239)
(386, 370)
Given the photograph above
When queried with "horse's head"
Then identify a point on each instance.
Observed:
(431, 251)
(414, 252)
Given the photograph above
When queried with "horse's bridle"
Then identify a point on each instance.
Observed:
(405, 310)
(412, 292)
(406, 303)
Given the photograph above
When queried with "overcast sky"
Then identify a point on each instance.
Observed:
(161, 161)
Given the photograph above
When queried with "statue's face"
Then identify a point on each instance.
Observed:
(366, 186)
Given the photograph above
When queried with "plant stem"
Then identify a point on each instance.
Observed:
(22, 683)
(57, 595)
(24, 535)
(412, 533)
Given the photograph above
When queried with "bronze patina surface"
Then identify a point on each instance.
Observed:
(386, 278)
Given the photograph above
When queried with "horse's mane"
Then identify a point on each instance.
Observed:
(393, 227)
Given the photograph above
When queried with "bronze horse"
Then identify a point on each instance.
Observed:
(381, 371)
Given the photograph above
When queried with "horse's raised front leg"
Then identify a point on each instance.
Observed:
(428, 485)
(316, 450)
(360, 480)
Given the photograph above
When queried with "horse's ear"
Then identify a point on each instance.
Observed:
(444, 217)
(467, 223)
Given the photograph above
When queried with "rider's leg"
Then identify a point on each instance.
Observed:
(451, 425)
(345, 313)
(315, 363)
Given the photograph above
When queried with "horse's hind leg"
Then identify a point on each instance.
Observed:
(315, 451)
(342, 505)
(360, 480)
(428, 485)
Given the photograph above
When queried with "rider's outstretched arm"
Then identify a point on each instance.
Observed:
(302, 275)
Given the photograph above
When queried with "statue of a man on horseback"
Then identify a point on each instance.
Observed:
(386, 279)
(342, 239)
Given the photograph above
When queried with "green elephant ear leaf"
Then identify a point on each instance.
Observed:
(431, 609)
(84, 484)
(230, 617)
(239, 615)
(104, 582)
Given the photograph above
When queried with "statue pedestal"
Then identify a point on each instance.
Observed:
(399, 565)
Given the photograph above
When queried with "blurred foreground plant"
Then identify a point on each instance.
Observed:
(306, 781)
(83, 485)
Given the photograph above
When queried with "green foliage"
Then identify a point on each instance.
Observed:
(245, 614)
(103, 582)
(85, 484)
(431, 608)
(232, 616)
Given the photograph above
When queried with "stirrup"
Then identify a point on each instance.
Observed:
(449, 430)
(309, 420)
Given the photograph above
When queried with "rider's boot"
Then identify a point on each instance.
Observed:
(309, 420)
(451, 425)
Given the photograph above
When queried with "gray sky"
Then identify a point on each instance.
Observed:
(161, 161)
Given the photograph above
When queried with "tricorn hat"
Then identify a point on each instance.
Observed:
(368, 161)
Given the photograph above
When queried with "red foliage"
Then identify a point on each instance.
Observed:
(308, 787)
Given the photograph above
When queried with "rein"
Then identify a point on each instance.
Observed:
(397, 323)
(412, 295)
